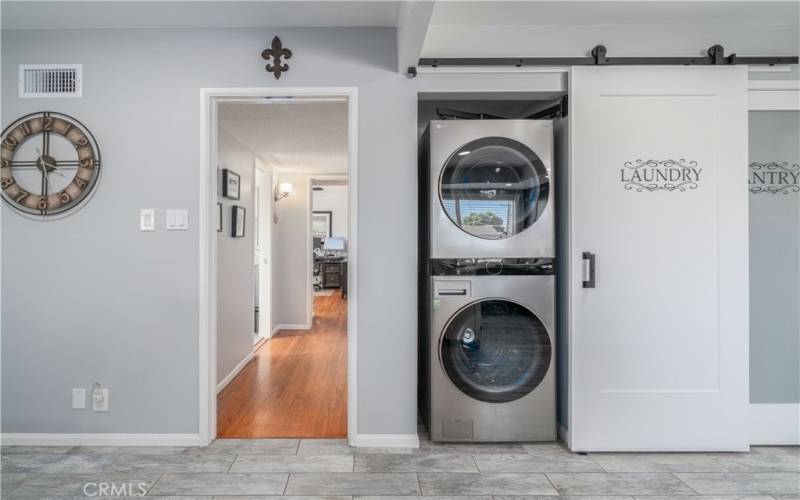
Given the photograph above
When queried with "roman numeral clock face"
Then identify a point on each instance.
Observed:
(50, 164)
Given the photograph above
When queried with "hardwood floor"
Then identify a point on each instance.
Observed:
(296, 384)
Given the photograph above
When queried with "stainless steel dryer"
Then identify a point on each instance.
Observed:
(490, 356)
(490, 188)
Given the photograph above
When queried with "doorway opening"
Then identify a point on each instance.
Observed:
(279, 327)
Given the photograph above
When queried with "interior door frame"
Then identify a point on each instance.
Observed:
(774, 423)
(264, 212)
(310, 241)
(207, 271)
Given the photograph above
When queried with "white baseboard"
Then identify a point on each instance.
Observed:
(775, 424)
(291, 326)
(236, 369)
(386, 441)
(70, 439)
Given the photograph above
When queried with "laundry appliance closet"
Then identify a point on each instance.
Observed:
(486, 212)
(650, 175)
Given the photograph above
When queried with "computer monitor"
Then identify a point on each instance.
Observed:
(334, 243)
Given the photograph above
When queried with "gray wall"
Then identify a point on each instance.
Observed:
(123, 305)
(235, 277)
(292, 256)
(775, 266)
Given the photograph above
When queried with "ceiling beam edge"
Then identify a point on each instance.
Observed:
(412, 27)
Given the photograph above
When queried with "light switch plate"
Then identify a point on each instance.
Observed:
(147, 219)
(177, 220)
(78, 399)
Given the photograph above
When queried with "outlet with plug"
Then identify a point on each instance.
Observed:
(99, 398)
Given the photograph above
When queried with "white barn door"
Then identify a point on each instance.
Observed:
(658, 196)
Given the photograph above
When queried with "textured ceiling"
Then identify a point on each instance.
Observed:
(308, 137)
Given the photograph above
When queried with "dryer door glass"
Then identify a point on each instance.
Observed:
(495, 351)
(494, 187)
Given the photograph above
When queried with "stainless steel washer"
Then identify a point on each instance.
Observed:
(490, 188)
(491, 351)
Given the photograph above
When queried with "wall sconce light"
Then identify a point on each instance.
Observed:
(282, 190)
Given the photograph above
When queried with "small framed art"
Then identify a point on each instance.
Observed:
(237, 221)
(230, 184)
(322, 224)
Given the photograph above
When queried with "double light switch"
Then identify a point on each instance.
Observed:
(176, 220)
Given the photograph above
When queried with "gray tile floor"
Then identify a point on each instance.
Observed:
(280, 468)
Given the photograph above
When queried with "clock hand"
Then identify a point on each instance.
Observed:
(44, 182)
(49, 184)
(46, 165)
(46, 142)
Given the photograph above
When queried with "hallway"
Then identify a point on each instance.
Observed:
(296, 384)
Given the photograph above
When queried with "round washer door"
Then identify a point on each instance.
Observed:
(495, 350)
(494, 187)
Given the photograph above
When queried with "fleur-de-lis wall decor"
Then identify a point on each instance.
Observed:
(276, 52)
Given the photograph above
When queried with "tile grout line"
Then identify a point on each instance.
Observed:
(235, 458)
(684, 482)
(546, 476)
(419, 484)
(154, 484)
(286, 484)
(598, 463)
(474, 461)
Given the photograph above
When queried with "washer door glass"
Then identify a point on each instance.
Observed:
(494, 187)
(495, 350)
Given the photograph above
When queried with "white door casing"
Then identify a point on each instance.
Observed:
(658, 192)
(207, 279)
(263, 245)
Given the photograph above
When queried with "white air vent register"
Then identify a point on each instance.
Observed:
(50, 80)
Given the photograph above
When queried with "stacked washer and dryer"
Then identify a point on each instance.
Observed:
(487, 284)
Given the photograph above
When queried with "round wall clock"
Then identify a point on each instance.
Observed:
(50, 164)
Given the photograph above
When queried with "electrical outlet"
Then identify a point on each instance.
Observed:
(99, 399)
(78, 399)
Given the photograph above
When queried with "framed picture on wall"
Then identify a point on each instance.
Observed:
(237, 221)
(230, 184)
(322, 224)
(219, 217)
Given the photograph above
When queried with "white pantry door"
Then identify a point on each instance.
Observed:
(658, 194)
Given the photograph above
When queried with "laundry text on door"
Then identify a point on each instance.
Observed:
(660, 175)
(774, 177)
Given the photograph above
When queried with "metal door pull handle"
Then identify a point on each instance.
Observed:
(588, 270)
